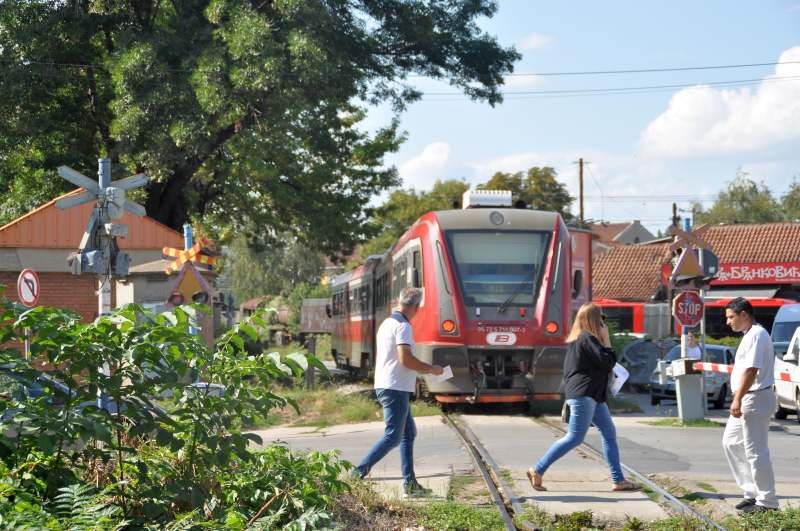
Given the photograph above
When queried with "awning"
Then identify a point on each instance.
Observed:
(747, 293)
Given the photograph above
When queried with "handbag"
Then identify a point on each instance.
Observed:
(565, 413)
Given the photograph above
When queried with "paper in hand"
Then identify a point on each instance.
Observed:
(446, 375)
(620, 375)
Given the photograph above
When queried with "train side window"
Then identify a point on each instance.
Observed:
(365, 298)
(400, 270)
(416, 270)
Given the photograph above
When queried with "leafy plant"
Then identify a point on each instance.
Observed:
(191, 465)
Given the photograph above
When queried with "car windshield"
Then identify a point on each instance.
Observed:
(494, 267)
(782, 332)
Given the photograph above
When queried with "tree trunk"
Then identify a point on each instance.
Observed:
(166, 203)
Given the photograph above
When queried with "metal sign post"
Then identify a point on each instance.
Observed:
(98, 252)
(687, 275)
(28, 290)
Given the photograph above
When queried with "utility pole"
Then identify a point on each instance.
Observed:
(580, 184)
(675, 217)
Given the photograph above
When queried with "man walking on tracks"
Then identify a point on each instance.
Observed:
(396, 371)
(745, 438)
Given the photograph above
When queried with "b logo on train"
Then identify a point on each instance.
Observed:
(500, 286)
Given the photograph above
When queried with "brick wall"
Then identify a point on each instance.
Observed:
(61, 290)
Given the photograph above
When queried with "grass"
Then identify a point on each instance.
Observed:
(505, 475)
(454, 516)
(774, 520)
(460, 486)
(706, 487)
(676, 423)
(327, 406)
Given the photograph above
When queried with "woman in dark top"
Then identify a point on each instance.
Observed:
(587, 370)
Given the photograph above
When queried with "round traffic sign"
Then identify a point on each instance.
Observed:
(688, 308)
(28, 287)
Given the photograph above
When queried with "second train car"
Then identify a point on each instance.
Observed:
(500, 286)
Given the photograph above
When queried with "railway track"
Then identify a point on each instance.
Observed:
(666, 499)
(509, 505)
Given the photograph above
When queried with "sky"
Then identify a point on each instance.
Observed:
(645, 149)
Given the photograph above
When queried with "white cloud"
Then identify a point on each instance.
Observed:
(517, 83)
(704, 121)
(534, 41)
(419, 172)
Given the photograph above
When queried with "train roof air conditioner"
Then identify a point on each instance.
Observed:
(486, 199)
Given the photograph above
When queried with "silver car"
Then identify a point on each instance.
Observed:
(717, 384)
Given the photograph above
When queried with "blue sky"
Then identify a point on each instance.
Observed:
(678, 143)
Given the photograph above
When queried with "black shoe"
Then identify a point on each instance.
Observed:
(753, 509)
(747, 502)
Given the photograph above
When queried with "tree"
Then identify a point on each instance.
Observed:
(402, 209)
(743, 201)
(538, 187)
(791, 201)
(254, 271)
(243, 112)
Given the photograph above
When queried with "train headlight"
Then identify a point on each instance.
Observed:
(551, 327)
(449, 326)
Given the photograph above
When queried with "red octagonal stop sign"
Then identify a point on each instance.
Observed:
(688, 308)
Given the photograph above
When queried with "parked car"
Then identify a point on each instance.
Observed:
(786, 322)
(717, 384)
(15, 387)
(787, 394)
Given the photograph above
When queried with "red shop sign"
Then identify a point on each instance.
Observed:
(758, 273)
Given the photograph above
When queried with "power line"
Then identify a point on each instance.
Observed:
(626, 89)
(518, 74)
(651, 70)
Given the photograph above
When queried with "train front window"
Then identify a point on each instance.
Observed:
(498, 268)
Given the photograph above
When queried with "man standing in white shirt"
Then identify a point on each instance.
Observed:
(745, 438)
(396, 371)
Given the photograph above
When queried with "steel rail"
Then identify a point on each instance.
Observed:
(501, 493)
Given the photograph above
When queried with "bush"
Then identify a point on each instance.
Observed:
(130, 460)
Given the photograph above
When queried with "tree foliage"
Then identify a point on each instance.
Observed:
(243, 112)
(791, 202)
(402, 209)
(538, 187)
(743, 201)
(273, 269)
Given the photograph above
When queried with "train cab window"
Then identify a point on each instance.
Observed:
(498, 268)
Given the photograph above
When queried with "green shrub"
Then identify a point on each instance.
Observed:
(190, 466)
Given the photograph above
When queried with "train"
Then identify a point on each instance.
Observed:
(500, 287)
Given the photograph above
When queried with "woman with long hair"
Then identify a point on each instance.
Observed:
(587, 370)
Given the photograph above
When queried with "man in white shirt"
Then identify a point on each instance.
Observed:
(396, 371)
(745, 438)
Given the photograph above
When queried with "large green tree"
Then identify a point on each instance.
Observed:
(403, 208)
(254, 270)
(743, 201)
(244, 112)
(791, 201)
(538, 187)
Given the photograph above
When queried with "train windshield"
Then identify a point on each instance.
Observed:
(498, 268)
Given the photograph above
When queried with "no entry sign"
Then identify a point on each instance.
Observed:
(28, 287)
(688, 308)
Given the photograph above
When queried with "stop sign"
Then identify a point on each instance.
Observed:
(688, 308)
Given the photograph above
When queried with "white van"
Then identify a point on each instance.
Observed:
(786, 322)
(788, 393)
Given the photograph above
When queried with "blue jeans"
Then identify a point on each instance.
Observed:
(400, 430)
(583, 412)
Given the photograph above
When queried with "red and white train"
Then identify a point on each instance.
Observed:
(500, 286)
